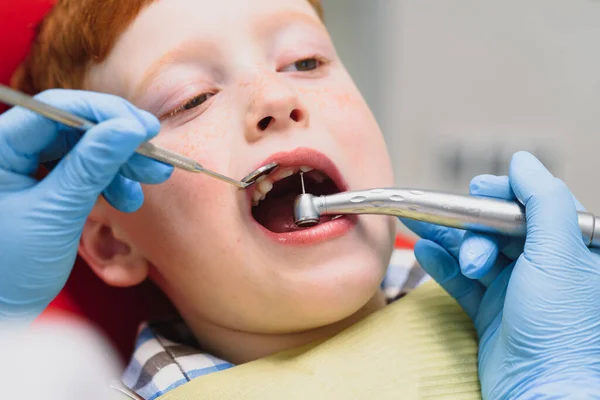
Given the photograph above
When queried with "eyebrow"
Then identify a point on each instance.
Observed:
(266, 26)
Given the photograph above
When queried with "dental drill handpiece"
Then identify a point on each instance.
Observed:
(471, 213)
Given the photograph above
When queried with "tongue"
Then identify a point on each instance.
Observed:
(276, 213)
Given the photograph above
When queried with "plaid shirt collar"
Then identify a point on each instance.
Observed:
(159, 364)
(167, 355)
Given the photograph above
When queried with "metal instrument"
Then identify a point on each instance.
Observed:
(16, 98)
(472, 213)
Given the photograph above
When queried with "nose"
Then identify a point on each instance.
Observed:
(275, 108)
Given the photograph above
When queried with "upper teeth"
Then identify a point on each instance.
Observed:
(265, 184)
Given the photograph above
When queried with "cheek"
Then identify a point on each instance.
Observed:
(173, 214)
(347, 117)
(207, 138)
(184, 233)
(182, 220)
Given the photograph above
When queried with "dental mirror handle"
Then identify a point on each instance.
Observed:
(455, 211)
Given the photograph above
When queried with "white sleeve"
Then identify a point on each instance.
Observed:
(56, 361)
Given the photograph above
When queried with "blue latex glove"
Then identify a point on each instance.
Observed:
(42, 222)
(535, 303)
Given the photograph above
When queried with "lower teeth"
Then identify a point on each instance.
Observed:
(336, 217)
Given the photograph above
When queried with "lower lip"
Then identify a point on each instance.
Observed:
(317, 234)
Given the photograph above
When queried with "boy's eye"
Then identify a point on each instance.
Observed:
(307, 64)
(194, 102)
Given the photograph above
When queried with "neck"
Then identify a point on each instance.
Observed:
(241, 347)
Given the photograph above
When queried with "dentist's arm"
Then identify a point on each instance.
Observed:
(41, 222)
(535, 304)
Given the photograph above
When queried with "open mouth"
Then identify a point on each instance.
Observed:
(273, 197)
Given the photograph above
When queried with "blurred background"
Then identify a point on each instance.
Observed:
(459, 86)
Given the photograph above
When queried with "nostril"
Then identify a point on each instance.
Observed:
(264, 123)
(296, 115)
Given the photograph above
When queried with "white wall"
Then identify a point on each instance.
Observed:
(459, 85)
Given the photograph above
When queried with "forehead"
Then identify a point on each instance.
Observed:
(214, 15)
(165, 24)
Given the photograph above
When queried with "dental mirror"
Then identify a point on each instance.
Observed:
(253, 176)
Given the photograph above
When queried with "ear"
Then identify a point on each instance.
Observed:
(112, 259)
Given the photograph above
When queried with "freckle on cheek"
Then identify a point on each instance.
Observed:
(340, 98)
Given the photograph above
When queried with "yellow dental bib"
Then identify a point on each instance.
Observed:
(422, 346)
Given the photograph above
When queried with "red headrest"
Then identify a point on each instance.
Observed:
(18, 23)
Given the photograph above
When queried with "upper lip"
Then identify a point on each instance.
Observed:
(305, 157)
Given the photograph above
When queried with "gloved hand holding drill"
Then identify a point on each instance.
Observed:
(534, 303)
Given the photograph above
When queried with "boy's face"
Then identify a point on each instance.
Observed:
(239, 83)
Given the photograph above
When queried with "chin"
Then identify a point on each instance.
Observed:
(343, 280)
